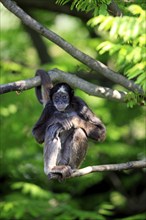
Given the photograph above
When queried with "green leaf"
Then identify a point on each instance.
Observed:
(115, 27)
(136, 9)
(103, 9)
(141, 79)
(106, 24)
(62, 2)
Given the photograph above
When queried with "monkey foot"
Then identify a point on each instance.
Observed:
(60, 172)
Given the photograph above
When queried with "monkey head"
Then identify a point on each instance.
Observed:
(61, 95)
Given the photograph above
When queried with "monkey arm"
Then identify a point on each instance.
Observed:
(39, 128)
(92, 125)
(84, 111)
(94, 131)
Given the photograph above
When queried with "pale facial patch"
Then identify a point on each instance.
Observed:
(61, 89)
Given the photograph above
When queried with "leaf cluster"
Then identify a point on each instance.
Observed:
(125, 42)
(94, 6)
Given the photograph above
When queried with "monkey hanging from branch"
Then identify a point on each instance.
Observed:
(64, 126)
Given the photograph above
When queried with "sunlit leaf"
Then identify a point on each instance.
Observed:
(135, 9)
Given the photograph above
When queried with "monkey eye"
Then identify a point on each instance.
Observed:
(56, 98)
(64, 97)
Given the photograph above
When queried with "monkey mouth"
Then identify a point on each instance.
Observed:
(61, 108)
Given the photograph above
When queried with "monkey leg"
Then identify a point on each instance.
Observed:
(52, 149)
(52, 153)
(61, 170)
(78, 148)
(74, 150)
(63, 153)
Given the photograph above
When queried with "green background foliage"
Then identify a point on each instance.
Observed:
(26, 193)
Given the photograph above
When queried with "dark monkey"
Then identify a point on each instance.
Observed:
(64, 126)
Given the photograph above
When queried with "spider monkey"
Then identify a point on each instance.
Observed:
(64, 126)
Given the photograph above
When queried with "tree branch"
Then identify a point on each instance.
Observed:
(74, 52)
(53, 7)
(39, 45)
(74, 81)
(113, 9)
(110, 167)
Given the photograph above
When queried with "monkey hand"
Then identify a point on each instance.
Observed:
(78, 122)
(67, 124)
(94, 120)
(53, 131)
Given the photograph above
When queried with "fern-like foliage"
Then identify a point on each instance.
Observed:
(125, 42)
(95, 6)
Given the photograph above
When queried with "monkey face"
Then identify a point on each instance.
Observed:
(61, 100)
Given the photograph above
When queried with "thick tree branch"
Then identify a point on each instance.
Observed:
(74, 52)
(110, 167)
(74, 81)
(51, 5)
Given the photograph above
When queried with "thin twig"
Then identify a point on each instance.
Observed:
(110, 167)
(74, 52)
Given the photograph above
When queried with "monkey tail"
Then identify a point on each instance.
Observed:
(43, 91)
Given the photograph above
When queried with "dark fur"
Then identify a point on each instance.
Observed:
(65, 133)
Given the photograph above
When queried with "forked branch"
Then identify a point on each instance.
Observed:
(72, 80)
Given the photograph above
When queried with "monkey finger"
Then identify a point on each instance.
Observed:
(67, 124)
